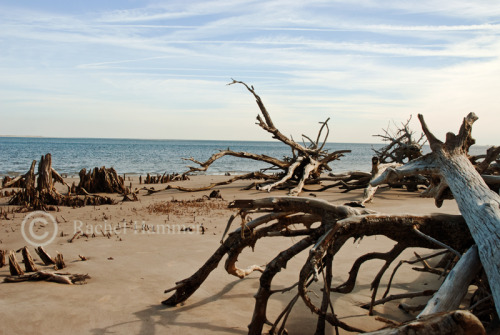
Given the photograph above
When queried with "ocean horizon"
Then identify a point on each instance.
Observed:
(158, 156)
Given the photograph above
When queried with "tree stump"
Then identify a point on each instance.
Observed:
(29, 265)
(44, 256)
(101, 180)
(2, 258)
(59, 262)
(15, 269)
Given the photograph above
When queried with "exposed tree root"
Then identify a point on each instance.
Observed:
(293, 216)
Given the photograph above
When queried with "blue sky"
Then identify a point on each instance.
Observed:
(151, 69)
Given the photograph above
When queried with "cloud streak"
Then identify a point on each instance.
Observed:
(358, 62)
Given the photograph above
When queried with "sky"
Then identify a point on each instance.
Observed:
(159, 69)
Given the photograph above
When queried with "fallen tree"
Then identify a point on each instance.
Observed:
(451, 168)
(402, 145)
(324, 228)
(304, 166)
(401, 148)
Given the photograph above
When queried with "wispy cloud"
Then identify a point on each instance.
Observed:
(358, 61)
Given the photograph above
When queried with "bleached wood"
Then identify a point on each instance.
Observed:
(455, 286)
(451, 323)
(286, 177)
(377, 170)
(479, 205)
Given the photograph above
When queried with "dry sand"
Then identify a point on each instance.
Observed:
(131, 269)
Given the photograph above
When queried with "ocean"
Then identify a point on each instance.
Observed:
(134, 156)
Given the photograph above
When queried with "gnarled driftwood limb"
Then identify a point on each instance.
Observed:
(479, 205)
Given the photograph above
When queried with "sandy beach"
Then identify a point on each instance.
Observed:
(132, 266)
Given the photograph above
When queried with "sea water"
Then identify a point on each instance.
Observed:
(136, 156)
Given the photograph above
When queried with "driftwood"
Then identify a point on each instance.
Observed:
(44, 256)
(59, 262)
(377, 170)
(101, 180)
(163, 179)
(15, 269)
(337, 225)
(348, 181)
(450, 167)
(294, 217)
(39, 192)
(451, 323)
(2, 258)
(13, 182)
(306, 164)
(68, 279)
(29, 265)
(402, 147)
(251, 175)
(457, 281)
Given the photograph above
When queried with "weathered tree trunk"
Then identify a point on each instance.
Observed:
(45, 183)
(39, 192)
(479, 205)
